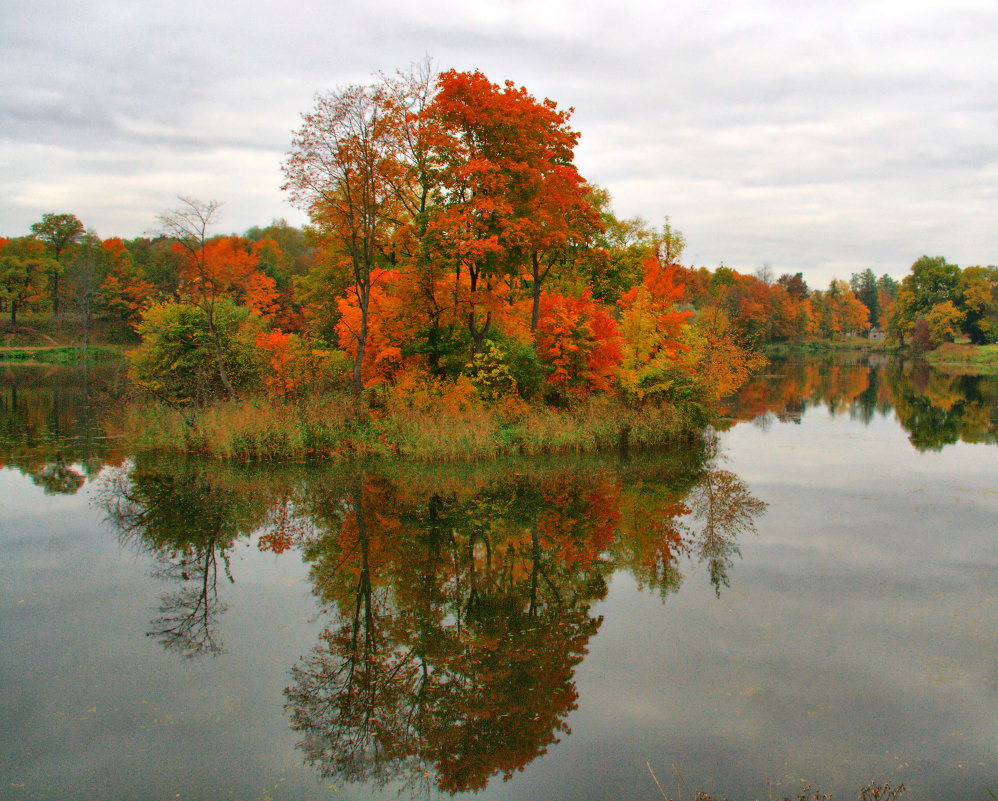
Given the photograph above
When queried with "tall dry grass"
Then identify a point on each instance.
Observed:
(429, 421)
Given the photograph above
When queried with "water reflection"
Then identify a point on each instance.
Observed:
(459, 603)
(187, 515)
(61, 425)
(935, 408)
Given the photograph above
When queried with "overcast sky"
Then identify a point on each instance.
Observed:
(823, 136)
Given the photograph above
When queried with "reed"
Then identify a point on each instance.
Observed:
(450, 423)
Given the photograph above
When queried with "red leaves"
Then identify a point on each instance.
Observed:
(579, 340)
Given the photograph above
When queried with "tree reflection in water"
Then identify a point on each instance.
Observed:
(459, 614)
(936, 408)
(60, 425)
(460, 600)
(188, 515)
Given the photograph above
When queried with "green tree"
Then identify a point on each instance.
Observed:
(887, 285)
(615, 262)
(930, 282)
(178, 359)
(978, 287)
(864, 287)
(59, 232)
(24, 268)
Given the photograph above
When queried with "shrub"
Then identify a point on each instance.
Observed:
(177, 360)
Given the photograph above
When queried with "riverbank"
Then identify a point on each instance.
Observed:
(441, 428)
(812, 347)
(964, 358)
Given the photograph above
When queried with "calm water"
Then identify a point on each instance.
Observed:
(814, 597)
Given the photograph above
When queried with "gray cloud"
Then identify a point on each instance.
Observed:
(822, 137)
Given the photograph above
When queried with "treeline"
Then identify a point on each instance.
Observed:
(938, 302)
(453, 247)
(68, 270)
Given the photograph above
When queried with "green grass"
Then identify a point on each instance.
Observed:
(58, 354)
(963, 358)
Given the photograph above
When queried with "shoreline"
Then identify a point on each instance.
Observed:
(326, 428)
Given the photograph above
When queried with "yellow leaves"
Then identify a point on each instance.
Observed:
(651, 329)
(716, 356)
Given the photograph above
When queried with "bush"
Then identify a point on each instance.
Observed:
(177, 360)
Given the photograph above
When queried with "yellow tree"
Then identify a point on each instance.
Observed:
(652, 329)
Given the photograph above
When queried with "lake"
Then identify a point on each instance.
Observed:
(808, 596)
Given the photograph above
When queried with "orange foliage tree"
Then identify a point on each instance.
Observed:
(508, 190)
(345, 168)
(124, 292)
(579, 341)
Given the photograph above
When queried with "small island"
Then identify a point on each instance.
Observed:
(462, 292)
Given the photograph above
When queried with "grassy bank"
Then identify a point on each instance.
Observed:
(963, 358)
(819, 346)
(439, 430)
(53, 354)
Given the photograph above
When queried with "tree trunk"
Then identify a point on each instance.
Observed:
(358, 362)
(535, 313)
(223, 374)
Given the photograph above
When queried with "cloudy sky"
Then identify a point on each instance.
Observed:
(822, 136)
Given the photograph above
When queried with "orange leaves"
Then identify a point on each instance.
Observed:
(379, 329)
(508, 186)
(579, 340)
(124, 291)
(277, 345)
(717, 356)
(292, 362)
(228, 266)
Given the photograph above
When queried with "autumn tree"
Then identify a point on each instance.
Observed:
(124, 293)
(931, 281)
(343, 168)
(839, 311)
(652, 329)
(229, 268)
(509, 194)
(59, 232)
(795, 285)
(978, 293)
(720, 360)
(945, 322)
(579, 341)
(188, 226)
(24, 271)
